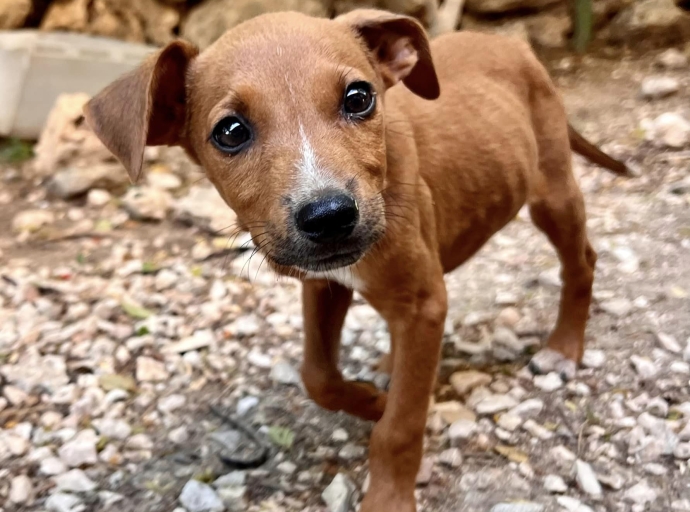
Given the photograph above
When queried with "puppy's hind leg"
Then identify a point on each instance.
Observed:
(557, 208)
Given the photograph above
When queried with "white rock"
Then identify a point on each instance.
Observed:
(200, 339)
(150, 370)
(338, 494)
(164, 280)
(562, 454)
(21, 490)
(528, 409)
(495, 403)
(204, 207)
(462, 429)
(234, 498)
(52, 466)
(80, 450)
(62, 502)
(682, 451)
(555, 484)
(340, 435)
(613, 481)
(680, 505)
(537, 430)
(506, 299)
(658, 407)
(669, 129)
(620, 307)
(451, 457)
(139, 442)
(163, 180)
(672, 59)
(659, 87)
(171, 403)
(464, 382)
(246, 326)
(549, 382)
(179, 435)
(287, 467)
(680, 367)
(351, 452)
(246, 404)
(572, 504)
(147, 203)
(640, 494)
(644, 367)
(30, 221)
(233, 479)
(259, 360)
(524, 506)
(284, 373)
(98, 197)
(593, 358)
(112, 428)
(509, 422)
(506, 345)
(586, 479)
(199, 497)
(669, 343)
(656, 469)
(74, 480)
(33, 370)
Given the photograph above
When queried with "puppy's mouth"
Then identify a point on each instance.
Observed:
(332, 262)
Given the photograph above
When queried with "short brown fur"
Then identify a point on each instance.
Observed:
(446, 160)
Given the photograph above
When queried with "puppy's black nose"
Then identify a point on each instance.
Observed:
(328, 219)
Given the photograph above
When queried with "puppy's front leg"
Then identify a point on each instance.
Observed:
(396, 447)
(325, 306)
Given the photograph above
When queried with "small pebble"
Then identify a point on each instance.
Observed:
(586, 479)
(555, 484)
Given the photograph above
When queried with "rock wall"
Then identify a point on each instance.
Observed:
(546, 23)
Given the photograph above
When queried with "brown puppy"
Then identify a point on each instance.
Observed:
(349, 181)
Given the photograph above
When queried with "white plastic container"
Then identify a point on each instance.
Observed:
(36, 67)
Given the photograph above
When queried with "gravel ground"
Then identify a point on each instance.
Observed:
(117, 335)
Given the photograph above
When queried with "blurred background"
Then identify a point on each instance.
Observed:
(126, 310)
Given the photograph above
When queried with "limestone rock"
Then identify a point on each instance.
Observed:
(210, 20)
(13, 13)
(129, 20)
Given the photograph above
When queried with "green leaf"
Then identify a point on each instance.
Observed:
(148, 267)
(143, 331)
(15, 151)
(282, 437)
(136, 311)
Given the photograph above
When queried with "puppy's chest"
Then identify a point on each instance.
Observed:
(345, 276)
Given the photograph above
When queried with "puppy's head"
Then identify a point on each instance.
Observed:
(285, 114)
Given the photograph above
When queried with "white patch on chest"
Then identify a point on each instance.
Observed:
(346, 276)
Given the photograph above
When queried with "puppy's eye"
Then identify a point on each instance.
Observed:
(359, 101)
(231, 135)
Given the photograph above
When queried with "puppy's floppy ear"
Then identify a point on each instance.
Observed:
(400, 46)
(145, 107)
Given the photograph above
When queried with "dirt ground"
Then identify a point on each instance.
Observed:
(634, 392)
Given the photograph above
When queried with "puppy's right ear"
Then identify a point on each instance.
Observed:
(146, 107)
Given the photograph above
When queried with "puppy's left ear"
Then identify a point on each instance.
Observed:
(145, 107)
(400, 46)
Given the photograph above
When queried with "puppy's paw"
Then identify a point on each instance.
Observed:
(548, 360)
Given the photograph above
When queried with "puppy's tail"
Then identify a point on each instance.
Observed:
(585, 148)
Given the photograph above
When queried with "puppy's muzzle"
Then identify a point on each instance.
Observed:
(330, 218)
